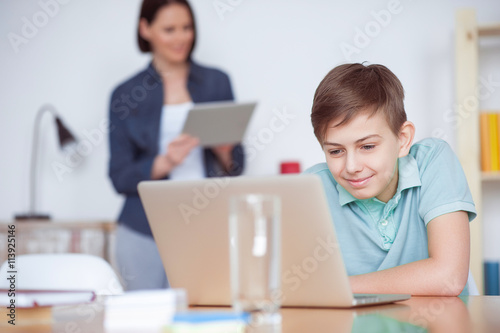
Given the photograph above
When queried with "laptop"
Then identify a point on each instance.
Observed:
(189, 221)
(217, 123)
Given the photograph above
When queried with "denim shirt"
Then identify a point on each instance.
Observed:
(134, 115)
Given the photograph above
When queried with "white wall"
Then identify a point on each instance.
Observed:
(276, 52)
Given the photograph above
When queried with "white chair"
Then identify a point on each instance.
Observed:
(63, 271)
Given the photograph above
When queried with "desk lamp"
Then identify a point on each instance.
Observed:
(65, 139)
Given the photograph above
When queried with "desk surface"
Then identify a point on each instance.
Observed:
(419, 314)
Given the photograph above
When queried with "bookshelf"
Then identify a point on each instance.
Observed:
(490, 176)
(467, 36)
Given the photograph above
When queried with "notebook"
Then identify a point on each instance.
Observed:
(189, 221)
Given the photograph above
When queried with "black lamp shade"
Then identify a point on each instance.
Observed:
(64, 134)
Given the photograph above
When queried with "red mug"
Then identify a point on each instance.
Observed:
(290, 167)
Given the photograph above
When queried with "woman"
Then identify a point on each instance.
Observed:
(147, 113)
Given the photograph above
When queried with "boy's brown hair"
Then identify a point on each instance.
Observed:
(348, 89)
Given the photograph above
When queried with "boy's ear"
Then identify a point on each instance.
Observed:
(406, 135)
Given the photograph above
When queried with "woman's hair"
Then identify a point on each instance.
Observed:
(149, 9)
(350, 89)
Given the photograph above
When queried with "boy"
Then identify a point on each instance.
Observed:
(401, 211)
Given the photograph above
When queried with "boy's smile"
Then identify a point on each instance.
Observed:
(360, 182)
(362, 155)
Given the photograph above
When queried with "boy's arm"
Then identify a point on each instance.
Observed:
(444, 273)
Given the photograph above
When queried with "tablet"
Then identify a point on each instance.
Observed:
(219, 123)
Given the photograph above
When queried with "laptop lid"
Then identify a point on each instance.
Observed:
(189, 221)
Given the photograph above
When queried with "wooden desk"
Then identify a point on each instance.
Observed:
(419, 314)
(59, 237)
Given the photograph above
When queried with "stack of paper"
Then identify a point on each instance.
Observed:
(141, 311)
(209, 322)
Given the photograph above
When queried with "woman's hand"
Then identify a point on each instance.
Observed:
(177, 152)
(180, 147)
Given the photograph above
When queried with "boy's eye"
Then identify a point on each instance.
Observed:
(335, 152)
(368, 147)
(169, 29)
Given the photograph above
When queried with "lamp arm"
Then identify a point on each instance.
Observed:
(34, 153)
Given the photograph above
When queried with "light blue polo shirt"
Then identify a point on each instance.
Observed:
(374, 235)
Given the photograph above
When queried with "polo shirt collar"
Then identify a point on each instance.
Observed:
(409, 177)
(344, 196)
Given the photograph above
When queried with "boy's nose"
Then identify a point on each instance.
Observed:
(353, 164)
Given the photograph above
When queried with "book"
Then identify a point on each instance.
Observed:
(212, 322)
(491, 278)
(34, 298)
(498, 138)
(485, 142)
(493, 132)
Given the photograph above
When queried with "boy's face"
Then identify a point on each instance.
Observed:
(362, 156)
